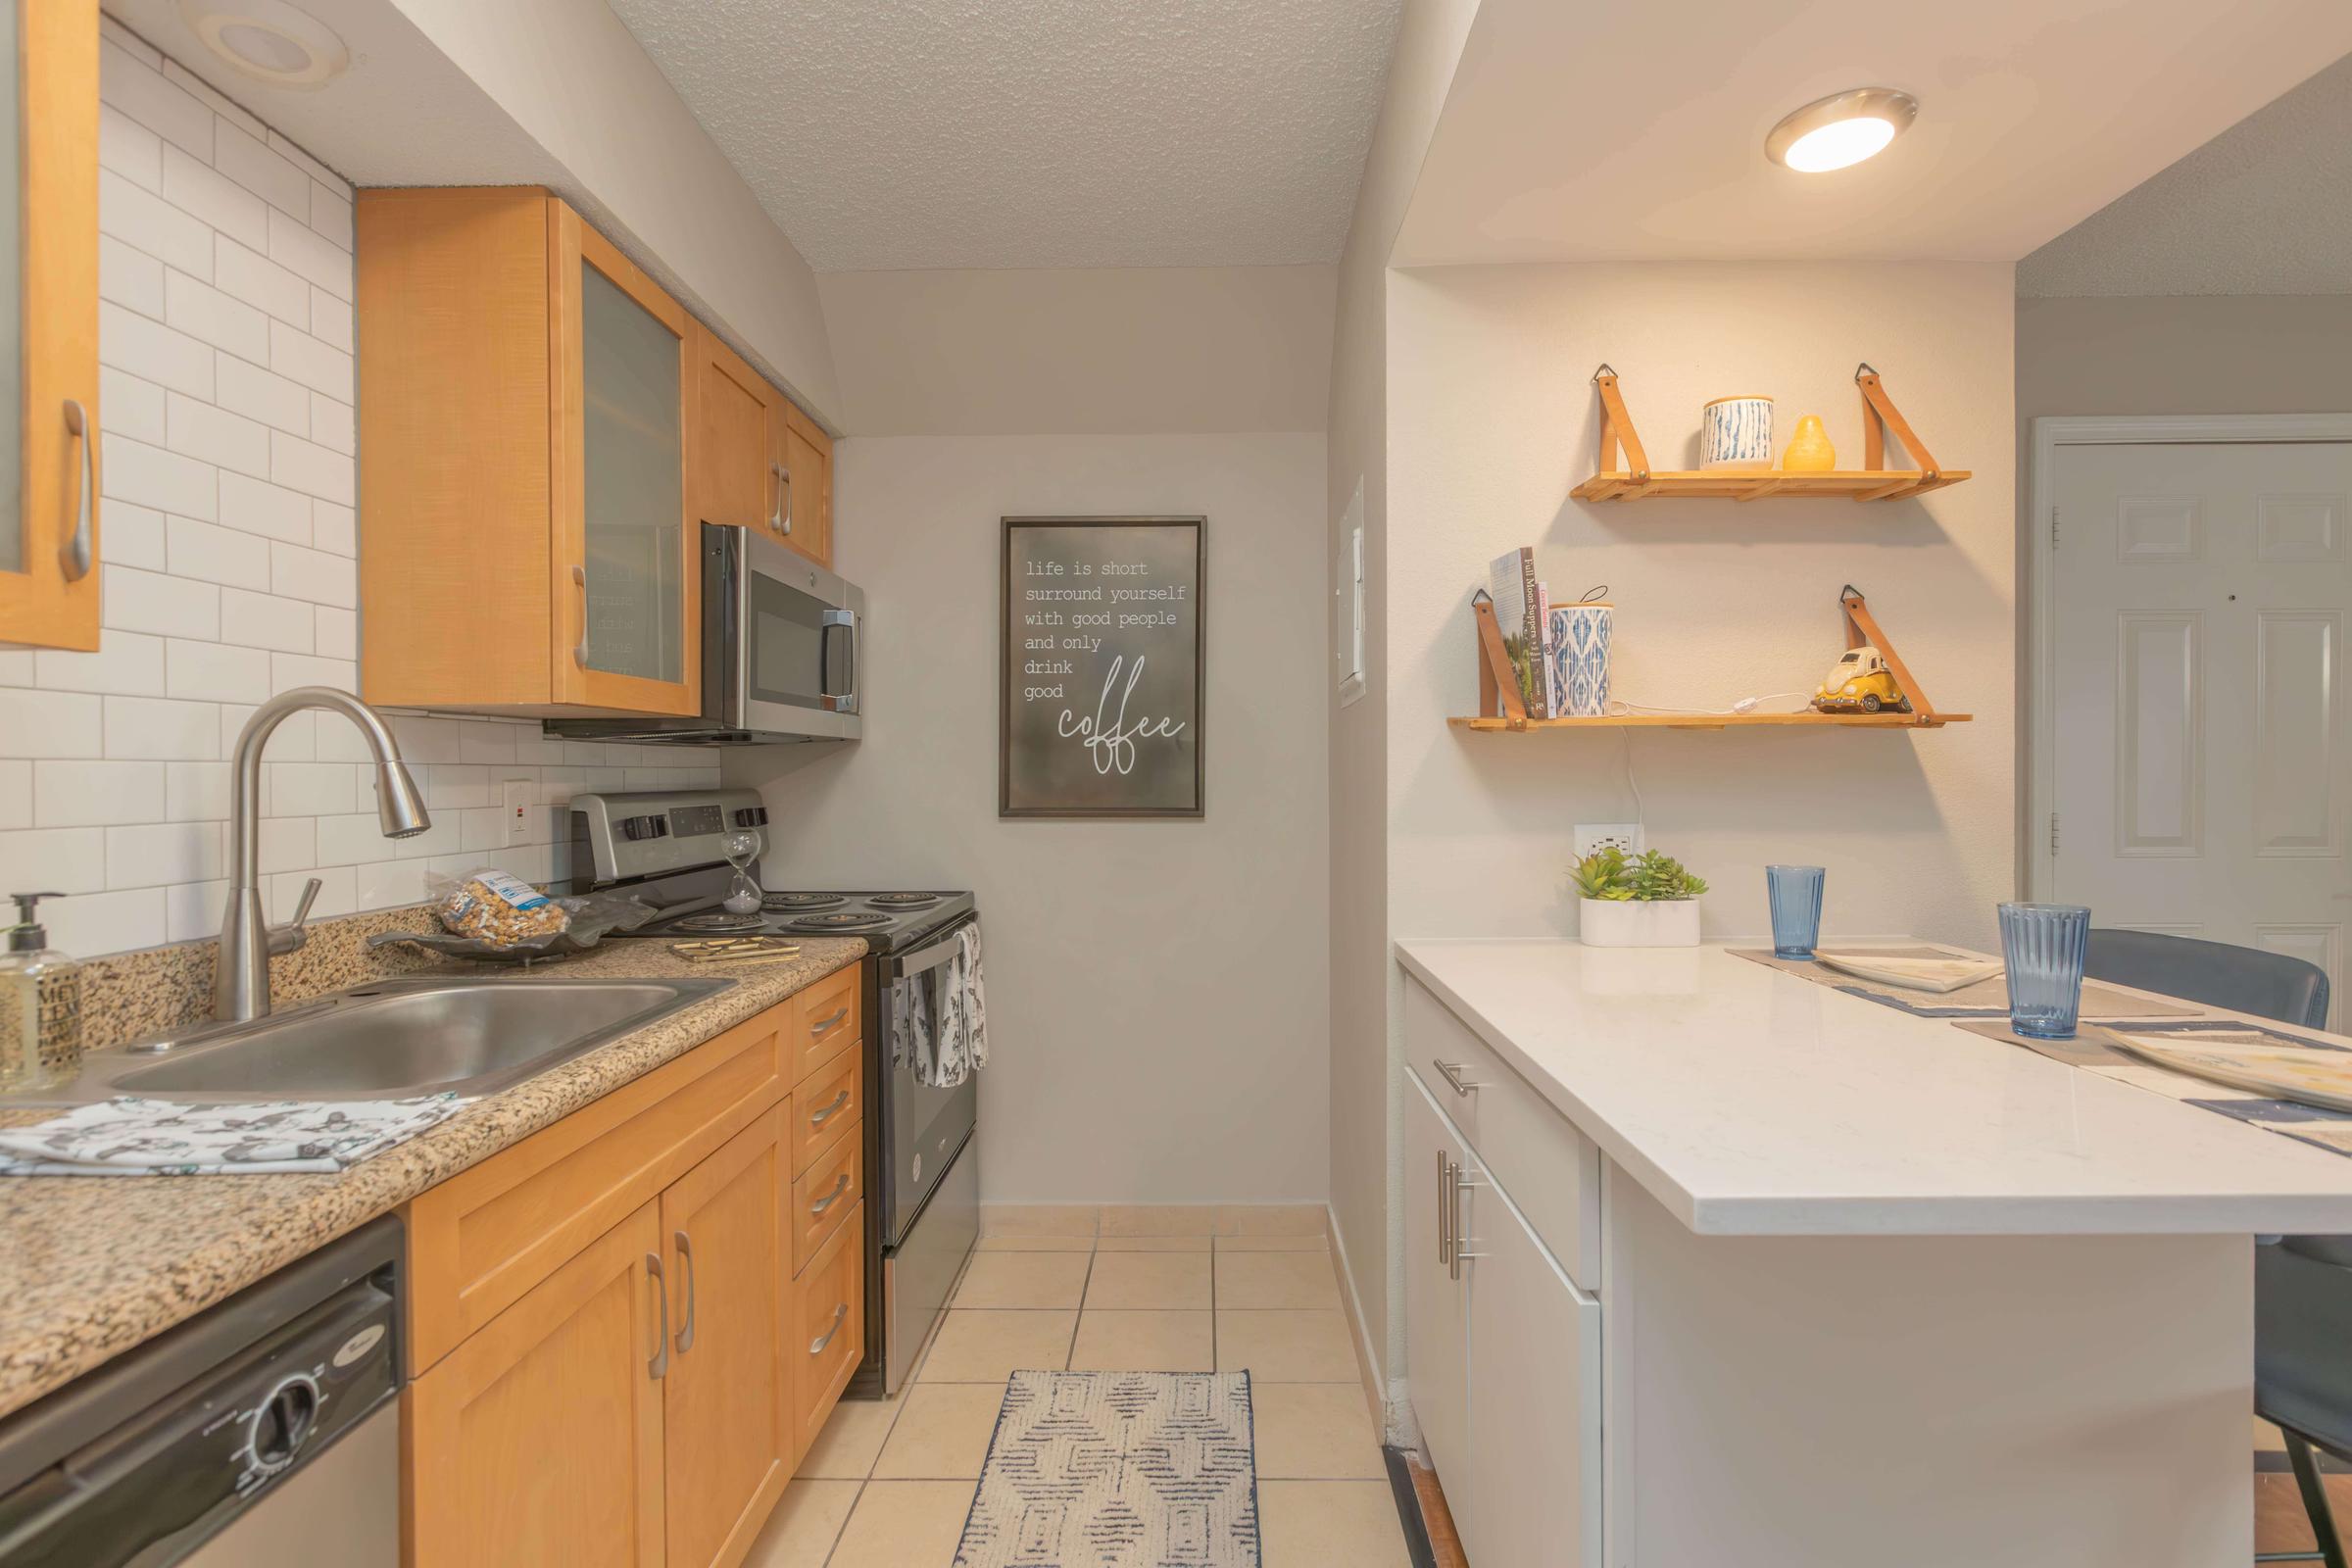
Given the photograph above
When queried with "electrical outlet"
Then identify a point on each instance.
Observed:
(1594, 836)
(516, 797)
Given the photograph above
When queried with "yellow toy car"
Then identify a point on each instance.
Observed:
(1860, 683)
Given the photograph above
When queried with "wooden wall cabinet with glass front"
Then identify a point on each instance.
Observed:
(760, 462)
(527, 411)
(49, 472)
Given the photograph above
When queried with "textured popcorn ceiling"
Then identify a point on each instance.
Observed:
(2264, 207)
(1001, 134)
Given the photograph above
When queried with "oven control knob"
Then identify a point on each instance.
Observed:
(643, 827)
(752, 816)
(283, 1423)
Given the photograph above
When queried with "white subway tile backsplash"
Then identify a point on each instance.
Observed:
(135, 408)
(16, 795)
(310, 166)
(208, 316)
(281, 895)
(455, 785)
(196, 792)
(202, 91)
(129, 149)
(350, 840)
(131, 43)
(196, 189)
(129, 277)
(288, 843)
(212, 554)
(331, 321)
(216, 673)
(69, 859)
(335, 632)
(159, 854)
(126, 663)
(248, 160)
(193, 909)
(330, 215)
(144, 220)
(97, 794)
(333, 528)
(306, 789)
(211, 434)
(158, 605)
(447, 836)
(303, 357)
(256, 506)
(151, 476)
(332, 426)
(314, 469)
(161, 729)
(426, 740)
(484, 828)
(264, 620)
(153, 352)
(42, 723)
(294, 243)
(134, 535)
(486, 743)
(107, 922)
(145, 96)
(315, 575)
(295, 740)
(260, 282)
(380, 884)
(289, 671)
(263, 395)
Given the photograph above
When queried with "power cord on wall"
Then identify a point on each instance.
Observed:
(1617, 709)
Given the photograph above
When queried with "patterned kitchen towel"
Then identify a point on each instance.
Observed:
(942, 1032)
(129, 1137)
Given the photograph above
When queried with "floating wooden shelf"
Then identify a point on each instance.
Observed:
(1635, 480)
(1722, 722)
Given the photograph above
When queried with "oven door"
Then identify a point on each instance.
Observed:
(922, 1127)
(781, 657)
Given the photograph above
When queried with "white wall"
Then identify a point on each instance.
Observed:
(1491, 420)
(226, 531)
(1157, 998)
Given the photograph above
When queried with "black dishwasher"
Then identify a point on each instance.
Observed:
(265, 1426)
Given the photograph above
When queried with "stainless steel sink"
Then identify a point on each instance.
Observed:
(385, 1041)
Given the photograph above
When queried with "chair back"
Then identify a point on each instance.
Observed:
(2268, 984)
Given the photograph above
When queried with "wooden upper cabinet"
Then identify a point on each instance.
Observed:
(527, 407)
(760, 462)
(809, 461)
(49, 514)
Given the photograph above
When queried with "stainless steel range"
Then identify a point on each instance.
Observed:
(923, 1162)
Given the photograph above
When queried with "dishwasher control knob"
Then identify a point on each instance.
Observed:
(282, 1423)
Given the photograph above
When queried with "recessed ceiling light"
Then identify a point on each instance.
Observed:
(1840, 130)
(268, 40)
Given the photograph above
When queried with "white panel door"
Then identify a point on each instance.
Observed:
(1436, 1327)
(2202, 761)
(1534, 1396)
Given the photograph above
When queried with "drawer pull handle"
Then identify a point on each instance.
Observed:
(841, 1184)
(816, 1346)
(659, 1366)
(825, 1026)
(1445, 1211)
(1452, 1072)
(1460, 1184)
(819, 1118)
(686, 1257)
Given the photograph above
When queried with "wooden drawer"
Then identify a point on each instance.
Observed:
(828, 1100)
(828, 1337)
(824, 1194)
(1551, 1170)
(826, 1021)
(482, 1238)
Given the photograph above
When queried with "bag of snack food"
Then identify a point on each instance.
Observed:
(496, 908)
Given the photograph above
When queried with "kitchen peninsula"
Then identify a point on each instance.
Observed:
(1782, 1276)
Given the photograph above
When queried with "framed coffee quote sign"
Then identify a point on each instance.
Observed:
(1098, 701)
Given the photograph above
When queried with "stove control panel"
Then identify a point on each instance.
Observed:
(643, 833)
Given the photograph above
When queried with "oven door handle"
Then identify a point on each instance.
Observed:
(930, 958)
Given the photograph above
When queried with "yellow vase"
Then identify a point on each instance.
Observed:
(1809, 452)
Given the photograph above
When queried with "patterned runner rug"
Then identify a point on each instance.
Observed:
(1118, 1470)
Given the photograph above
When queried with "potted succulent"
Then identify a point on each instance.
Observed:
(1644, 901)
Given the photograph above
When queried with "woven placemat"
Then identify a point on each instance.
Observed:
(1985, 998)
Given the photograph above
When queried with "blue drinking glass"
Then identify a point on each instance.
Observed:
(2043, 947)
(1796, 894)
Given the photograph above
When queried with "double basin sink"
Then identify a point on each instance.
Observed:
(388, 1040)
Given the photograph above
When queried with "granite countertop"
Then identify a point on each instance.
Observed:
(91, 1266)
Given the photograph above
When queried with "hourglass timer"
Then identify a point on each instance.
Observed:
(743, 894)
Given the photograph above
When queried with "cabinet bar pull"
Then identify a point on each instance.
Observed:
(825, 1026)
(686, 1257)
(828, 1113)
(1445, 1210)
(1462, 1184)
(841, 1184)
(816, 1346)
(1452, 1072)
(784, 525)
(579, 651)
(74, 556)
(659, 1366)
(775, 511)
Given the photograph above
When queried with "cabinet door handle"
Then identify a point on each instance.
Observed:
(775, 509)
(686, 1257)
(1452, 1072)
(659, 1366)
(784, 523)
(825, 1026)
(816, 1346)
(75, 556)
(1445, 1211)
(579, 651)
(1460, 1184)
(841, 1184)
(828, 1113)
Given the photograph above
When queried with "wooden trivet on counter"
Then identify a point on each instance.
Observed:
(737, 950)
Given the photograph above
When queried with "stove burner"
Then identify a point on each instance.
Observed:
(903, 901)
(841, 920)
(783, 902)
(720, 922)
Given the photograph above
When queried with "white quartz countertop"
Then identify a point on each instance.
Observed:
(1755, 1103)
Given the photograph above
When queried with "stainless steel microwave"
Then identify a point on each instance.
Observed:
(780, 657)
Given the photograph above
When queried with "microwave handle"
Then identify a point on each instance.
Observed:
(844, 702)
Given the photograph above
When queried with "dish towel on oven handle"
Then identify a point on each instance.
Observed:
(940, 1034)
(131, 1137)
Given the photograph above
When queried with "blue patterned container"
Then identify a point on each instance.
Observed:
(1796, 895)
(1735, 434)
(2044, 946)
(1578, 640)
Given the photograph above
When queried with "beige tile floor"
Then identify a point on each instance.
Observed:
(1166, 1289)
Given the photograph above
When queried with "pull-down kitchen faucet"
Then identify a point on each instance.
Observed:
(241, 981)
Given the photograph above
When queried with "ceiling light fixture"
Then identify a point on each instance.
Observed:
(268, 40)
(1840, 130)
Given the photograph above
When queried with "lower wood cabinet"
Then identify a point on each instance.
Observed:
(1503, 1359)
(829, 1326)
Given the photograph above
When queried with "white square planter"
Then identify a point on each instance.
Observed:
(1659, 923)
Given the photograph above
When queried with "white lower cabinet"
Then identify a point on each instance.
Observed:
(1504, 1360)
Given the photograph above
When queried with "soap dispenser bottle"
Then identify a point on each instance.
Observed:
(40, 1004)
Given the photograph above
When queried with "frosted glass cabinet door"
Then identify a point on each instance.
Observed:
(49, 323)
(633, 591)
